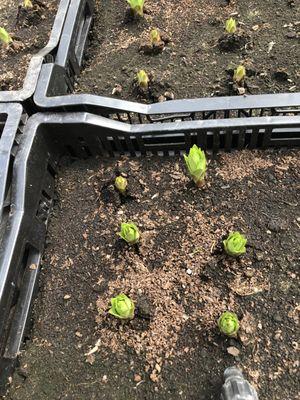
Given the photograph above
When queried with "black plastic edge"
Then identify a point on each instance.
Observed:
(11, 116)
(244, 106)
(37, 60)
(74, 36)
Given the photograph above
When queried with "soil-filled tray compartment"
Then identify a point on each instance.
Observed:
(29, 29)
(178, 276)
(111, 62)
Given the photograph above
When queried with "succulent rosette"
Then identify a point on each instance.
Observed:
(228, 324)
(121, 184)
(196, 164)
(129, 232)
(235, 244)
(122, 307)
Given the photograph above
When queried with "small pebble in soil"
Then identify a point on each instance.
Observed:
(259, 256)
(189, 271)
(117, 90)
(291, 35)
(277, 318)
(277, 225)
(249, 272)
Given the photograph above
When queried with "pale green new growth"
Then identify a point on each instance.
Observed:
(235, 244)
(143, 79)
(154, 36)
(5, 36)
(137, 6)
(230, 25)
(129, 232)
(27, 4)
(239, 74)
(228, 323)
(196, 164)
(122, 307)
(121, 184)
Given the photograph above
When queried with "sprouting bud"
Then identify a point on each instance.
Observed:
(137, 6)
(155, 36)
(143, 79)
(235, 244)
(196, 164)
(5, 36)
(230, 25)
(27, 4)
(129, 232)
(121, 184)
(239, 74)
(122, 307)
(228, 323)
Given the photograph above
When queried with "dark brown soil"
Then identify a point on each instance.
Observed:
(193, 64)
(30, 33)
(176, 276)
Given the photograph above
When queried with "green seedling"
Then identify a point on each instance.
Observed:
(154, 36)
(5, 36)
(228, 324)
(136, 7)
(27, 4)
(129, 232)
(230, 26)
(143, 79)
(121, 184)
(196, 165)
(235, 244)
(122, 307)
(239, 74)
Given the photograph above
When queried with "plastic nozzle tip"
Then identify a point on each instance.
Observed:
(231, 372)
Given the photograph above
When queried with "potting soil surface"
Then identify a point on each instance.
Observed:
(178, 277)
(193, 63)
(30, 30)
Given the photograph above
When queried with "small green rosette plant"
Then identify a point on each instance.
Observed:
(155, 36)
(129, 232)
(230, 26)
(142, 79)
(121, 184)
(228, 324)
(5, 36)
(136, 7)
(122, 307)
(239, 74)
(196, 164)
(235, 244)
(27, 4)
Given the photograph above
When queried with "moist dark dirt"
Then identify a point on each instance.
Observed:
(30, 30)
(193, 64)
(178, 276)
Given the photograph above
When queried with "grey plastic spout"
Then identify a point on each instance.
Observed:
(236, 387)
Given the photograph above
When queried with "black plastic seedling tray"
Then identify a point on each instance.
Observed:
(11, 126)
(46, 54)
(45, 139)
(56, 82)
